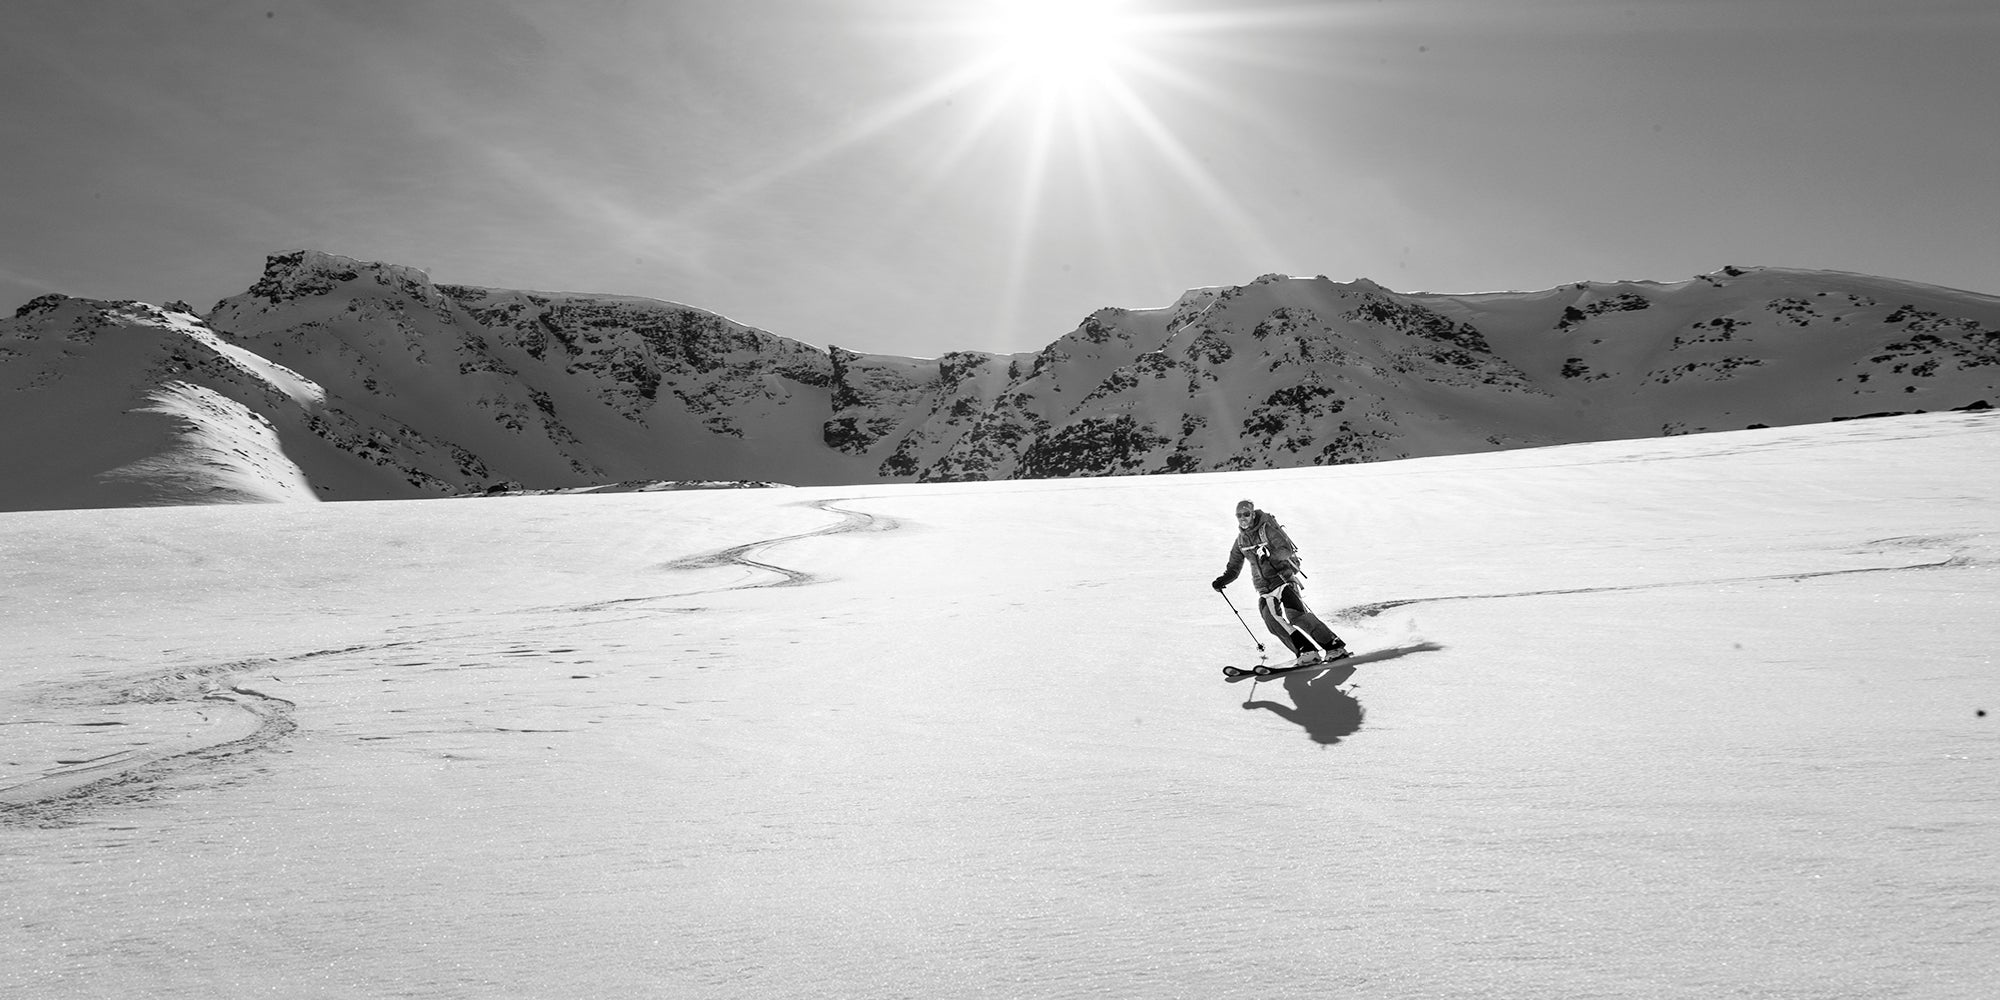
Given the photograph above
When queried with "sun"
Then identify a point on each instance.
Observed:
(1069, 48)
(1061, 120)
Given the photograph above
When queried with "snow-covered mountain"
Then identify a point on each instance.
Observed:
(112, 404)
(417, 390)
(343, 379)
(1287, 372)
(545, 389)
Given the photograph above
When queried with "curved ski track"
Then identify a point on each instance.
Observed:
(134, 773)
(739, 555)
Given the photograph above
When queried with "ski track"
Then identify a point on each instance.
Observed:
(1361, 611)
(60, 793)
(1319, 706)
(1329, 714)
(739, 555)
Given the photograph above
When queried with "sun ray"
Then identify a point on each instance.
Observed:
(1074, 69)
(1108, 111)
(943, 163)
(1091, 162)
(1034, 178)
(1209, 189)
(876, 122)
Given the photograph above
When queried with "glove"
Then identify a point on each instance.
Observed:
(1220, 582)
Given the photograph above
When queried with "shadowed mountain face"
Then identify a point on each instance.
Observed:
(343, 379)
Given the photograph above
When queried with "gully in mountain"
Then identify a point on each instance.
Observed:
(1274, 571)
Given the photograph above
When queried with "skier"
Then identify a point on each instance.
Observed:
(1274, 571)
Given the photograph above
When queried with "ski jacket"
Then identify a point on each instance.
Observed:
(1273, 559)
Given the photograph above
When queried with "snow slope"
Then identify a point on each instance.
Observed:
(1694, 716)
(124, 403)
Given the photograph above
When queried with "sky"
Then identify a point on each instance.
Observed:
(919, 176)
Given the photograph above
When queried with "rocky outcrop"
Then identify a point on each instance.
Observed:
(412, 389)
(551, 390)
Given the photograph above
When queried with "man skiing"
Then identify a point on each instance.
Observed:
(1274, 571)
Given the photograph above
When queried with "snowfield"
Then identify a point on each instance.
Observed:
(1694, 716)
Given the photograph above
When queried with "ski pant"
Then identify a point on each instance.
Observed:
(1288, 618)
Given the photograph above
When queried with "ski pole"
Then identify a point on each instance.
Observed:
(1240, 621)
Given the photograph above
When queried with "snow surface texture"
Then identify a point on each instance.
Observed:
(1694, 716)
(379, 384)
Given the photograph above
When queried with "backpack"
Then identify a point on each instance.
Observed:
(1264, 527)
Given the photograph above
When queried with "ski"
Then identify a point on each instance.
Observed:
(1260, 671)
(1233, 674)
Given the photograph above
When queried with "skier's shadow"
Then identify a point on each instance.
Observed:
(1319, 706)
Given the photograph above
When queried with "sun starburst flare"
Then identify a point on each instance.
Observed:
(1106, 111)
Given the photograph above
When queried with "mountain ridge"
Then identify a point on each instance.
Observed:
(337, 378)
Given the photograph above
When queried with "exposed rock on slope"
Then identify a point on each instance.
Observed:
(128, 404)
(419, 389)
(546, 389)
